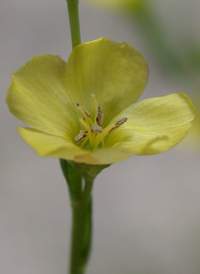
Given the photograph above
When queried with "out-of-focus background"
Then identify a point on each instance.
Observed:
(146, 209)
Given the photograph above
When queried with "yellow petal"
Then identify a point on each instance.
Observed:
(47, 145)
(38, 97)
(154, 125)
(116, 73)
(103, 156)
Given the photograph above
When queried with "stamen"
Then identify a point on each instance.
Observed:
(83, 109)
(121, 121)
(84, 142)
(96, 128)
(86, 126)
(80, 136)
(99, 118)
(118, 123)
(93, 132)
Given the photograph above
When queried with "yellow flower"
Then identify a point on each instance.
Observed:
(85, 110)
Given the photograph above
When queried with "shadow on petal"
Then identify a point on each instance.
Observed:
(150, 149)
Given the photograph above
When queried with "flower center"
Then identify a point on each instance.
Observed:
(93, 133)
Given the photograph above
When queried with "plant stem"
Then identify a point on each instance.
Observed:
(74, 22)
(77, 228)
(81, 230)
(81, 204)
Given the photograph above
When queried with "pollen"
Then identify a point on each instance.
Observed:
(81, 136)
(99, 118)
(92, 132)
(119, 123)
(96, 128)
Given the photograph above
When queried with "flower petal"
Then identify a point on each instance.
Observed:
(103, 156)
(47, 145)
(38, 97)
(154, 125)
(116, 73)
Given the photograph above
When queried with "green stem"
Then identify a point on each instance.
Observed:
(77, 227)
(74, 22)
(81, 204)
(81, 231)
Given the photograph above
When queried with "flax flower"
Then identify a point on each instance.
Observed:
(85, 110)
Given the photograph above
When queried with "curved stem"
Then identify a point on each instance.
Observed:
(74, 22)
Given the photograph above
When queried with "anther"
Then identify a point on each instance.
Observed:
(99, 118)
(121, 121)
(96, 128)
(80, 136)
(85, 111)
(118, 123)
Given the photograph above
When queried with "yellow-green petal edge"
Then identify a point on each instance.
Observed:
(154, 125)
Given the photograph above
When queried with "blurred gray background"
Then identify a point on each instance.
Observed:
(146, 209)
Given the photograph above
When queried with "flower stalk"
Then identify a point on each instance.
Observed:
(81, 230)
(81, 204)
(74, 22)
